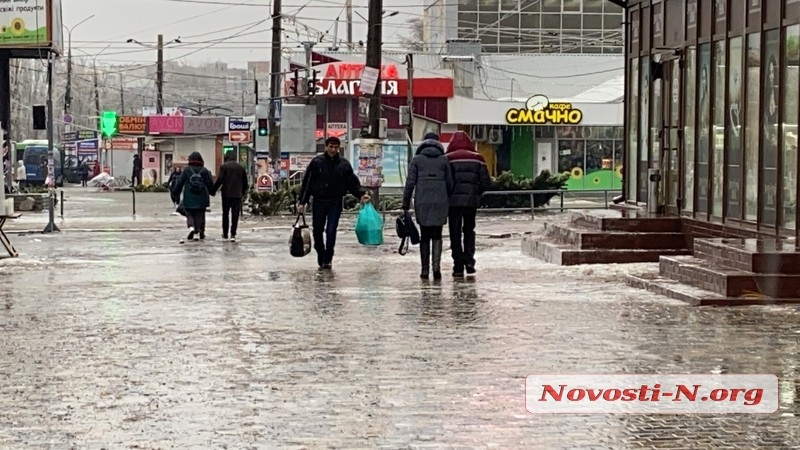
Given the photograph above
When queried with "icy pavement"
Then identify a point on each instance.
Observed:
(130, 340)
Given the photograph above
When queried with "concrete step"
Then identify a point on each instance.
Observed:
(625, 220)
(696, 296)
(726, 281)
(585, 238)
(751, 255)
(564, 254)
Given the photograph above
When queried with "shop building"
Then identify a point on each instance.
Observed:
(712, 106)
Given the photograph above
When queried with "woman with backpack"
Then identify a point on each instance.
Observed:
(197, 186)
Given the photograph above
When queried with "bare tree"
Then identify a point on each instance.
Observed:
(415, 41)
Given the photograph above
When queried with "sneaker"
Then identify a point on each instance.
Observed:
(224, 237)
(181, 241)
(190, 237)
(233, 238)
(470, 269)
(457, 274)
(327, 266)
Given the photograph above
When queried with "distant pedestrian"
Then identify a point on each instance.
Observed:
(174, 176)
(232, 179)
(430, 180)
(136, 176)
(470, 180)
(197, 186)
(83, 170)
(328, 178)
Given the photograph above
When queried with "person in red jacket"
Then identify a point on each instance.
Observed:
(470, 180)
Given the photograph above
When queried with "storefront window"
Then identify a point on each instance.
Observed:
(789, 135)
(633, 132)
(703, 126)
(751, 134)
(718, 143)
(689, 129)
(591, 156)
(769, 136)
(644, 126)
(733, 130)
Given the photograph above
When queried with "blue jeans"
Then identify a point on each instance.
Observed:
(325, 220)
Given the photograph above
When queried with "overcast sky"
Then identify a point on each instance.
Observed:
(215, 30)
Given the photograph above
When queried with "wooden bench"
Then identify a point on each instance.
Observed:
(12, 252)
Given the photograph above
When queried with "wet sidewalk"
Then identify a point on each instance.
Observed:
(130, 340)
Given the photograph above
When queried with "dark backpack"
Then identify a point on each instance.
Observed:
(196, 183)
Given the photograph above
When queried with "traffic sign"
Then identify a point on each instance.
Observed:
(239, 125)
(68, 118)
(239, 136)
(265, 183)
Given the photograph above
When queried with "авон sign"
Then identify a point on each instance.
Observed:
(539, 111)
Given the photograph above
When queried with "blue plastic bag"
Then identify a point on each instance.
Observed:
(369, 226)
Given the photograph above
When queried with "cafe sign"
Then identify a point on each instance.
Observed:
(539, 111)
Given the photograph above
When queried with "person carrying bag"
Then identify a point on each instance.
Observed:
(406, 231)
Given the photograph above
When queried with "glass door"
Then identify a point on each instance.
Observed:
(671, 143)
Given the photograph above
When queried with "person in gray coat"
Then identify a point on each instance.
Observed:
(430, 180)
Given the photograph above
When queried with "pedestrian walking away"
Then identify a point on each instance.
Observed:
(83, 170)
(431, 182)
(197, 186)
(232, 182)
(136, 175)
(470, 180)
(328, 178)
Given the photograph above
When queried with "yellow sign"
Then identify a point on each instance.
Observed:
(539, 111)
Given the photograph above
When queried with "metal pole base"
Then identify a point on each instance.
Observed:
(51, 225)
(51, 228)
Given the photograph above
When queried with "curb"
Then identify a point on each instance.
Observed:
(87, 230)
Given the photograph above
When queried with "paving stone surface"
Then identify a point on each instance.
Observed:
(130, 340)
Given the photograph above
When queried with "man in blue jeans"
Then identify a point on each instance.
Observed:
(328, 178)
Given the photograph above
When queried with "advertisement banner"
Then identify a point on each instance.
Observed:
(124, 143)
(87, 147)
(393, 163)
(299, 161)
(151, 166)
(24, 24)
(165, 124)
(370, 171)
(204, 125)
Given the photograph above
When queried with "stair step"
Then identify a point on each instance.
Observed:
(727, 281)
(588, 239)
(563, 254)
(752, 255)
(696, 296)
(631, 221)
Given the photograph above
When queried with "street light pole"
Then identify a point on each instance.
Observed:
(160, 75)
(68, 93)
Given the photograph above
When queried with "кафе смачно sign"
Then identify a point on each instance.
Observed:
(539, 111)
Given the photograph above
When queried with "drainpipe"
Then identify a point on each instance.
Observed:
(625, 104)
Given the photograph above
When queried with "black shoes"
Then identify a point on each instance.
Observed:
(437, 275)
(470, 269)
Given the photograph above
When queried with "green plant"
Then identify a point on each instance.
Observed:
(507, 181)
(265, 203)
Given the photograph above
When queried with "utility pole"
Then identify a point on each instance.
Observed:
(51, 172)
(410, 102)
(255, 85)
(68, 93)
(275, 84)
(121, 94)
(160, 75)
(374, 59)
(349, 7)
(96, 97)
(374, 51)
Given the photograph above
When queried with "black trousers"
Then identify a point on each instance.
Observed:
(325, 216)
(430, 233)
(196, 218)
(136, 178)
(461, 222)
(232, 206)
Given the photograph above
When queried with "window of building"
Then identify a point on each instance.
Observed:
(751, 129)
(644, 127)
(770, 77)
(530, 21)
(467, 5)
(551, 21)
(612, 21)
(733, 129)
(690, 114)
(572, 6)
(592, 22)
(489, 5)
(531, 6)
(633, 130)
(593, 6)
(703, 126)
(571, 21)
(718, 135)
(789, 134)
(591, 155)
(551, 5)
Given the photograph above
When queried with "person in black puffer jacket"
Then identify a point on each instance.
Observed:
(328, 178)
(470, 180)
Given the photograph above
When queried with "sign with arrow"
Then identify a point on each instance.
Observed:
(239, 136)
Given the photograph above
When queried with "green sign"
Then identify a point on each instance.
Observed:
(109, 124)
(24, 25)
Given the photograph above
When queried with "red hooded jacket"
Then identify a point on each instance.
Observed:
(470, 174)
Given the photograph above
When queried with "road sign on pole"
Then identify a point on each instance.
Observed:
(239, 136)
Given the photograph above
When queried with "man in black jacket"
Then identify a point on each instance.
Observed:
(232, 178)
(136, 175)
(470, 180)
(328, 178)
